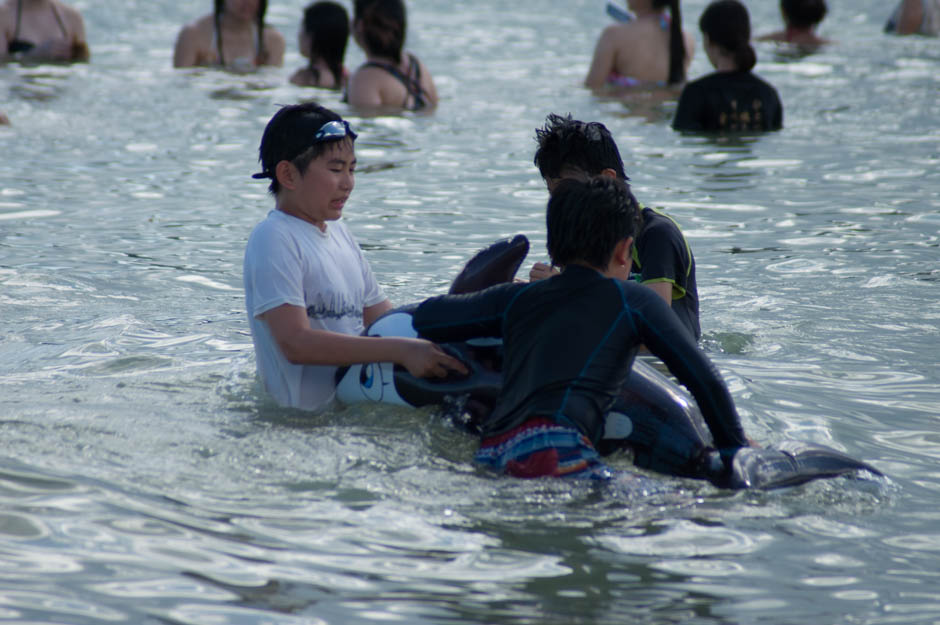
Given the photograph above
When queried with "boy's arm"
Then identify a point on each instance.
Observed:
(371, 313)
(665, 253)
(666, 337)
(450, 318)
(662, 289)
(301, 344)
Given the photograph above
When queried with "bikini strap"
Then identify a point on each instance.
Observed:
(411, 81)
(217, 38)
(58, 18)
(19, 16)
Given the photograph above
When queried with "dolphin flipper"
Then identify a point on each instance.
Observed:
(494, 264)
(659, 423)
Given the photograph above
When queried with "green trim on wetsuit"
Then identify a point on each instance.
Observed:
(668, 258)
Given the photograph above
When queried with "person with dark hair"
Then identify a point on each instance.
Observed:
(662, 258)
(569, 342)
(731, 99)
(309, 291)
(234, 36)
(41, 31)
(322, 39)
(390, 78)
(915, 17)
(650, 49)
(800, 18)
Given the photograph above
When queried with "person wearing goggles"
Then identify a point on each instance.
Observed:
(309, 291)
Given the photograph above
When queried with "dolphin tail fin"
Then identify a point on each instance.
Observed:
(791, 463)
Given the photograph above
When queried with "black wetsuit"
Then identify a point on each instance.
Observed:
(411, 81)
(570, 342)
(662, 254)
(729, 101)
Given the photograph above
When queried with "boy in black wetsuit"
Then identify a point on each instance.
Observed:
(662, 258)
(570, 341)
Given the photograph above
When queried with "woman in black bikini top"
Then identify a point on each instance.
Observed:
(379, 27)
(53, 48)
(411, 79)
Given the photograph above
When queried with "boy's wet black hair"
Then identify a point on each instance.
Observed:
(569, 144)
(290, 136)
(384, 24)
(803, 13)
(587, 219)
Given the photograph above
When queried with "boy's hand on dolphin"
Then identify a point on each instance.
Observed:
(541, 271)
(425, 359)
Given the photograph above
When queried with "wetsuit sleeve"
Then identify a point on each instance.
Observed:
(666, 337)
(663, 256)
(450, 318)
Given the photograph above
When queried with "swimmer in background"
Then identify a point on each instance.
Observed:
(650, 49)
(569, 342)
(322, 39)
(800, 18)
(915, 17)
(234, 37)
(4, 120)
(662, 259)
(41, 31)
(732, 98)
(391, 78)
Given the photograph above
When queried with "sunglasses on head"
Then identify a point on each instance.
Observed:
(333, 130)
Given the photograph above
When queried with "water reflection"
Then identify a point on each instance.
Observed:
(167, 485)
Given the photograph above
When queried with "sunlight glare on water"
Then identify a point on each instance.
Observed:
(146, 477)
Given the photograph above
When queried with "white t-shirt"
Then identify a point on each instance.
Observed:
(291, 261)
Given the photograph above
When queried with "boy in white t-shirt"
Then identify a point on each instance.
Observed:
(309, 291)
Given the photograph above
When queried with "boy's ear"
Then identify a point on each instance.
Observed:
(621, 261)
(287, 174)
(610, 173)
(622, 252)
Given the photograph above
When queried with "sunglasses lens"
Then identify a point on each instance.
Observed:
(331, 130)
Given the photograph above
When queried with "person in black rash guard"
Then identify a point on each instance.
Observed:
(662, 258)
(570, 341)
(731, 99)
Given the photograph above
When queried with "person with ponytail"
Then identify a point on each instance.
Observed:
(650, 49)
(731, 98)
(391, 78)
(234, 36)
(323, 37)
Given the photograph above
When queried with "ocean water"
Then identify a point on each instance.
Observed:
(146, 478)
